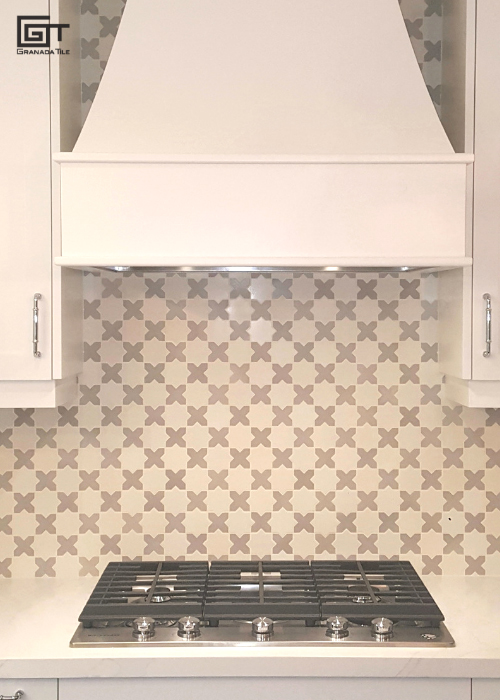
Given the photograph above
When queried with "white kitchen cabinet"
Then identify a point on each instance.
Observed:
(265, 688)
(32, 689)
(40, 101)
(485, 689)
(471, 112)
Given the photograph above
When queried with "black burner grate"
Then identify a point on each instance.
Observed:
(243, 590)
(165, 590)
(361, 590)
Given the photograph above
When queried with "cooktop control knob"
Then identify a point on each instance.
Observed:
(262, 628)
(382, 629)
(189, 627)
(143, 628)
(336, 627)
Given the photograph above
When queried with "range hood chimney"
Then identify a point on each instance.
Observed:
(264, 134)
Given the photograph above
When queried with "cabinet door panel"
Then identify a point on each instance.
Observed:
(486, 689)
(45, 689)
(265, 688)
(486, 275)
(25, 200)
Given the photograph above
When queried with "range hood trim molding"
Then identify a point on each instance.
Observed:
(268, 265)
(454, 158)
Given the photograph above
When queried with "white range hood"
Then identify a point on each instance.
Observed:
(263, 134)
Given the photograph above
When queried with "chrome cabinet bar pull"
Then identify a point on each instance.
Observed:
(487, 298)
(19, 694)
(36, 351)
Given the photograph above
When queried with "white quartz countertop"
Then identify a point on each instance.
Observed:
(39, 617)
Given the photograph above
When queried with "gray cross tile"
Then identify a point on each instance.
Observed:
(282, 373)
(475, 522)
(197, 288)
(261, 351)
(261, 522)
(175, 523)
(368, 544)
(24, 502)
(239, 543)
(282, 458)
(410, 501)
(388, 310)
(177, 437)
(474, 565)
(197, 416)
(409, 373)
(219, 309)
(155, 331)
(239, 501)
(432, 522)
(153, 544)
(5, 565)
(432, 51)
(6, 523)
(154, 501)
(175, 309)
(366, 331)
(303, 479)
(89, 567)
(325, 501)
(429, 352)
(24, 546)
(324, 331)
(493, 458)
(154, 288)
(91, 352)
(197, 330)
(414, 28)
(6, 478)
(303, 394)
(110, 458)
(453, 501)
(410, 544)
(303, 436)
(429, 310)
(45, 480)
(325, 544)
(346, 522)
(175, 352)
(239, 287)
(132, 309)
(260, 394)
(304, 310)
(89, 523)
(45, 523)
(111, 373)
(132, 522)
(474, 436)
(367, 289)
(66, 545)
(409, 330)
(91, 309)
(45, 567)
(282, 288)
(453, 544)
(282, 416)
(197, 458)
(324, 373)
(112, 330)
(282, 544)
(432, 565)
(493, 544)
(218, 394)
(325, 458)
(346, 436)
(218, 479)
(345, 353)
(24, 416)
(324, 415)
(260, 436)
(196, 544)
(493, 501)
(218, 352)
(46, 438)
(346, 480)
(111, 501)
(282, 330)
(282, 501)
(345, 310)
(324, 289)
(389, 522)
(367, 458)
(303, 522)
(218, 437)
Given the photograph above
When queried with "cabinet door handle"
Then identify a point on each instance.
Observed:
(36, 351)
(19, 694)
(487, 298)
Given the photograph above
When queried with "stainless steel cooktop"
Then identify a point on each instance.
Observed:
(255, 603)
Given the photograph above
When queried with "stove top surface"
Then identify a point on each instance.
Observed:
(251, 602)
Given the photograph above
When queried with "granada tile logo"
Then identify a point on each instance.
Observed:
(35, 34)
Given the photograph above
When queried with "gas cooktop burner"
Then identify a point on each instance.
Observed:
(287, 603)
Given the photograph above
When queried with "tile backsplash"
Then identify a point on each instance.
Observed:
(238, 415)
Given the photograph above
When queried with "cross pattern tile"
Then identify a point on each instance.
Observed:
(257, 415)
(100, 20)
